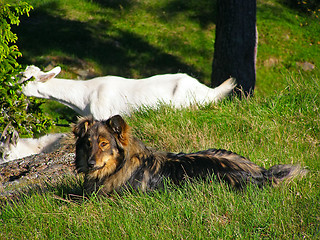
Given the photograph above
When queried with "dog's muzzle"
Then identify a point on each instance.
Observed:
(93, 167)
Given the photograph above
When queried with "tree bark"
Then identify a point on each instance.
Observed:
(235, 44)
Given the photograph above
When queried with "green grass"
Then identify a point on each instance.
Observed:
(198, 211)
(281, 124)
(281, 128)
(143, 38)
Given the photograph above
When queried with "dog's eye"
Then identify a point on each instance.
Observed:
(103, 144)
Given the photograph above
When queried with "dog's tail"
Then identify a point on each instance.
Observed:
(285, 173)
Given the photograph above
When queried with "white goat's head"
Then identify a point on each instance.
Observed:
(31, 87)
(40, 76)
(8, 141)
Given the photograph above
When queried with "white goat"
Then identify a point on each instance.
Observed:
(103, 97)
(12, 147)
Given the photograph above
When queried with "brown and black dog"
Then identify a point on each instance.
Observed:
(112, 159)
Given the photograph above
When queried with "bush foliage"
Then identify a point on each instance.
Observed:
(18, 111)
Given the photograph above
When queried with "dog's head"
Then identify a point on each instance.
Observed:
(100, 145)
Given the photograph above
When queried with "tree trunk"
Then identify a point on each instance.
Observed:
(235, 44)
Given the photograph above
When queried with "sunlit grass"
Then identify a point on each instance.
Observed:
(281, 128)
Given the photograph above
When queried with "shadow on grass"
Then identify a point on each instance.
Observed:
(115, 4)
(61, 114)
(47, 38)
(125, 54)
(67, 188)
(203, 11)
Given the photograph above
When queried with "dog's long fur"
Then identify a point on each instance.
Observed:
(112, 159)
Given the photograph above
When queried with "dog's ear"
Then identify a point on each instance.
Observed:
(119, 128)
(83, 125)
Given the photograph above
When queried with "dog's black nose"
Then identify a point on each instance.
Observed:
(91, 163)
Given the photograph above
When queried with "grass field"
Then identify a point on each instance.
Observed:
(281, 124)
(281, 128)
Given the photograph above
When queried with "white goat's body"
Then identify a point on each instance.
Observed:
(106, 96)
(29, 146)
